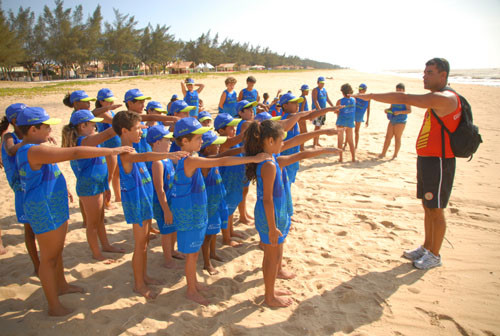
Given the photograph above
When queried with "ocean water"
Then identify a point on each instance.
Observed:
(487, 77)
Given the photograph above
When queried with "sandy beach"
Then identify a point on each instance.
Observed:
(352, 221)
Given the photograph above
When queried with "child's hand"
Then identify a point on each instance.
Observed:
(168, 217)
(177, 155)
(113, 107)
(70, 196)
(332, 150)
(331, 131)
(262, 157)
(336, 108)
(274, 236)
(122, 150)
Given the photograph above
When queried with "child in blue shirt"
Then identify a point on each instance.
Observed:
(228, 99)
(191, 95)
(319, 100)
(137, 195)
(189, 198)
(249, 93)
(362, 107)
(46, 197)
(345, 120)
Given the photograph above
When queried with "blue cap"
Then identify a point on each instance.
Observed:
(13, 110)
(290, 98)
(362, 86)
(260, 117)
(244, 104)
(204, 115)
(304, 87)
(80, 95)
(155, 106)
(211, 138)
(174, 96)
(35, 116)
(321, 79)
(156, 133)
(180, 106)
(134, 94)
(106, 94)
(190, 81)
(81, 116)
(225, 119)
(189, 125)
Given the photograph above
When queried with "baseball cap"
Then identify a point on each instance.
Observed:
(244, 104)
(304, 87)
(180, 106)
(290, 98)
(35, 116)
(155, 106)
(225, 119)
(211, 138)
(260, 117)
(81, 116)
(134, 94)
(80, 95)
(157, 132)
(204, 115)
(189, 125)
(174, 96)
(13, 111)
(321, 79)
(106, 94)
(190, 81)
(362, 86)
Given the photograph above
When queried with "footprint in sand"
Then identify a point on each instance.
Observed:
(393, 206)
(388, 224)
(341, 233)
(362, 217)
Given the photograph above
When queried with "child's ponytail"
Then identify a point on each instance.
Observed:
(69, 135)
(4, 124)
(67, 101)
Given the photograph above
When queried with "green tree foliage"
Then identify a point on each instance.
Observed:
(11, 51)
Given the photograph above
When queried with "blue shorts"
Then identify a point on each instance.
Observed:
(213, 229)
(191, 241)
(359, 117)
(394, 122)
(345, 122)
(91, 186)
(19, 203)
(160, 220)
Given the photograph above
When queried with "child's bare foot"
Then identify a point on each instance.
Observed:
(282, 292)
(381, 156)
(102, 258)
(178, 255)
(198, 298)
(147, 292)
(109, 206)
(216, 257)
(210, 269)
(282, 274)
(237, 235)
(69, 289)
(172, 265)
(232, 243)
(153, 230)
(394, 157)
(278, 301)
(112, 249)
(151, 281)
(60, 311)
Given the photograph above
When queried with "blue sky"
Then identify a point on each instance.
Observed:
(363, 34)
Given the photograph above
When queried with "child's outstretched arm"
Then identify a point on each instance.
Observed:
(157, 172)
(229, 152)
(101, 112)
(301, 138)
(40, 155)
(152, 156)
(319, 112)
(99, 138)
(230, 142)
(286, 160)
(167, 120)
(192, 163)
(268, 172)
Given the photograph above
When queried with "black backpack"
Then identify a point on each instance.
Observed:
(466, 138)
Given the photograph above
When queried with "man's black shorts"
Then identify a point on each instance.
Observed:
(435, 180)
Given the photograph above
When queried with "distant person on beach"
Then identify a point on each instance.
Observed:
(174, 98)
(435, 175)
(303, 106)
(228, 99)
(345, 121)
(397, 115)
(191, 95)
(362, 107)
(319, 100)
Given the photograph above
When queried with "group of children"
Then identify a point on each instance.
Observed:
(182, 167)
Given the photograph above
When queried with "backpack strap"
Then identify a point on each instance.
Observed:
(443, 128)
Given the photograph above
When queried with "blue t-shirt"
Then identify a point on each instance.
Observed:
(230, 104)
(192, 99)
(361, 106)
(321, 97)
(400, 118)
(114, 141)
(217, 211)
(251, 96)
(306, 107)
(10, 167)
(142, 146)
(189, 199)
(346, 114)
(45, 193)
(168, 180)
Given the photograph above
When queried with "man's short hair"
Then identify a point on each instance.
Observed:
(441, 64)
(400, 86)
(125, 119)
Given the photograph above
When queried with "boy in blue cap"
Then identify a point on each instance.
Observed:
(46, 197)
(319, 100)
(205, 118)
(137, 194)
(191, 95)
(174, 98)
(179, 109)
(362, 106)
(189, 197)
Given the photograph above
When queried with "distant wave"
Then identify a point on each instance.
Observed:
(487, 77)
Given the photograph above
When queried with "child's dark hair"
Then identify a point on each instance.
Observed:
(67, 101)
(69, 135)
(251, 79)
(188, 136)
(174, 99)
(400, 86)
(25, 128)
(346, 89)
(125, 119)
(255, 135)
(265, 96)
(98, 104)
(4, 124)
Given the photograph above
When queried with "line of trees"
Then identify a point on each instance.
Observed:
(60, 36)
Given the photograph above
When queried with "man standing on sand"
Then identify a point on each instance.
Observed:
(434, 174)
